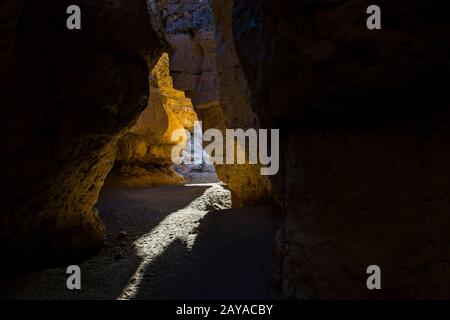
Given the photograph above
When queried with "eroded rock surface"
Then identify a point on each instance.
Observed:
(364, 125)
(187, 27)
(144, 153)
(66, 97)
(204, 64)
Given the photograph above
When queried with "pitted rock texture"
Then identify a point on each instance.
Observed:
(204, 64)
(245, 181)
(144, 153)
(188, 29)
(364, 123)
(66, 97)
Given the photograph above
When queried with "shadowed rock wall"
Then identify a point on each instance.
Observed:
(365, 127)
(66, 97)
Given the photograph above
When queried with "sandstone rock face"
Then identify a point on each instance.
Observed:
(144, 154)
(66, 97)
(187, 27)
(204, 64)
(364, 123)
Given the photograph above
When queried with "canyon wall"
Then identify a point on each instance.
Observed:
(365, 127)
(66, 97)
(144, 154)
(204, 64)
(363, 118)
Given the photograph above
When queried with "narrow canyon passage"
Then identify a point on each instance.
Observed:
(169, 242)
(362, 121)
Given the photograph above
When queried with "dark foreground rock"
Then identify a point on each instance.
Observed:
(365, 122)
(66, 97)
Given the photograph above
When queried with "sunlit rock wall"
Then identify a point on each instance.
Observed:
(204, 65)
(66, 97)
(144, 153)
(187, 27)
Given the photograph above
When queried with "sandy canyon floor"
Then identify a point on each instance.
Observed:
(169, 242)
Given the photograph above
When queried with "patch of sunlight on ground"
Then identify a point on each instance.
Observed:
(177, 226)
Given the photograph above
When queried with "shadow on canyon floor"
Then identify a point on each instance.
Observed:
(170, 242)
(232, 258)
